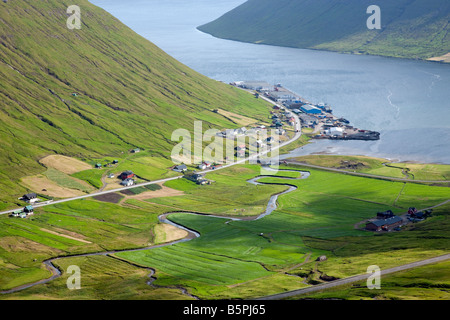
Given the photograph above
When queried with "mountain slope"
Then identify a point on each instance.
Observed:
(409, 28)
(129, 93)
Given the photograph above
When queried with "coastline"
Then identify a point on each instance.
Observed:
(439, 59)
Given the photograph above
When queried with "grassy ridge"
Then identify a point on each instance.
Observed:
(129, 92)
(409, 28)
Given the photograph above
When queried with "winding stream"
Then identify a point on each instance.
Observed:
(192, 234)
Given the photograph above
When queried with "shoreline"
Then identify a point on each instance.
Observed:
(391, 159)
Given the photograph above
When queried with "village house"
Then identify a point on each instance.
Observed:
(240, 150)
(256, 85)
(385, 215)
(16, 213)
(419, 215)
(201, 166)
(180, 168)
(242, 130)
(308, 120)
(270, 140)
(28, 210)
(198, 178)
(126, 175)
(127, 182)
(30, 197)
(280, 131)
(385, 224)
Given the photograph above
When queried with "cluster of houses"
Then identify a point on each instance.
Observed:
(316, 116)
(281, 117)
(109, 164)
(202, 166)
(387, 220)
(30, 198)
(127, 178)
(414, 216)
(23, 213)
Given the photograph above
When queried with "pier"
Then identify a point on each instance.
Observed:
(318, 117)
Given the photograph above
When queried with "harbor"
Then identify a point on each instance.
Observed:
(318, 117)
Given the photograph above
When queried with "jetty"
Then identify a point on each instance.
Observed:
(319, 116)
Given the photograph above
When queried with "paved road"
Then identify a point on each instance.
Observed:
(357, 278)
(297, 135)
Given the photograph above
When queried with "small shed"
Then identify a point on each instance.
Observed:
(98, 166)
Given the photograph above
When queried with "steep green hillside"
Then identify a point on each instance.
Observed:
(409, 28)
(129, 93)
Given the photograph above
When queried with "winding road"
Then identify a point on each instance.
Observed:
(255, 157)
(192, 234)
(356, 278)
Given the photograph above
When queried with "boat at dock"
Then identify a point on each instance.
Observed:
(319, 116)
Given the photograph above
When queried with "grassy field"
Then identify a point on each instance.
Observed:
(101, 275)
(227, 195)
(381, 167)
(24, 243)
(121, 102)
(233, 259)
(424, 283)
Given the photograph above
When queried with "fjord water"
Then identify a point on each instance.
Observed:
(407, 101)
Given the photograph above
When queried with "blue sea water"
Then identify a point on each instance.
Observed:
(407, 101)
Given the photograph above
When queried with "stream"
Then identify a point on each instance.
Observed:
(192, 234)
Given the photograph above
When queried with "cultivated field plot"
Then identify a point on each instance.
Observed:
(42, 184)
(57, 181)
(64, 164)
(237, 118)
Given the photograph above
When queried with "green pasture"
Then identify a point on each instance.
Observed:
(431, 282)
(242, 259)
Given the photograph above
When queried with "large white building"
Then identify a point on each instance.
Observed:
(335, 131)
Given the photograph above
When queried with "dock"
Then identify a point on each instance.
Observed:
(319, 117)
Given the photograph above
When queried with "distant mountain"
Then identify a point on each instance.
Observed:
(100, 90)
(409, 28)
